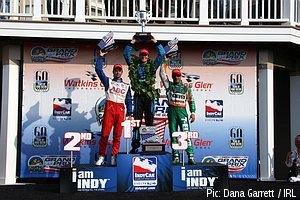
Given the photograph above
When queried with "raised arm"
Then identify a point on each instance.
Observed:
(164, 77)
(127, 52)
(160, 53)
(99, 70)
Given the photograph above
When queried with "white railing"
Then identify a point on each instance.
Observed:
(240, 12)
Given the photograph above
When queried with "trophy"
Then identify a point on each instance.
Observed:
(171, 48)
(142, 17)
(151, 142)
(107, 43)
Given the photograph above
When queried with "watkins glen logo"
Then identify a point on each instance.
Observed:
(77, 83)
(213, 57)
(56, 54)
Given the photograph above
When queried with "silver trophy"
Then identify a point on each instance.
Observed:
(171, 48)
(107, 43)
(142, 17)
(151, 142)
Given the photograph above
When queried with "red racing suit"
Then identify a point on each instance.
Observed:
(117, 94)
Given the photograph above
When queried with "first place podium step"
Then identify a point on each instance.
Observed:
(143, 173)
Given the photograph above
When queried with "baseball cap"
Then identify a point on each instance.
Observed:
(116, 66)
(144, 52)
(176, 72)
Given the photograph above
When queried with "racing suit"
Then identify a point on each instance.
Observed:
(117, 93)
(178, 96)
(142, 103)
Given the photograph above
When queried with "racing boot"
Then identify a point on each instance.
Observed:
(100, 161)
(176, 159)
(191, 160)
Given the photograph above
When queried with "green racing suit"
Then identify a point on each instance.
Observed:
(178, 96)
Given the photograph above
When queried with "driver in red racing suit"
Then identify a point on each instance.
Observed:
(117, 93)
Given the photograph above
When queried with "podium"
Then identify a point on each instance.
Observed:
(143, 172)
(88, 178)
(201, 176)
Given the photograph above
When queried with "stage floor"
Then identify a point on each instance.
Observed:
(49, 190)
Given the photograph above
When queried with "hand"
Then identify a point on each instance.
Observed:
(133, 40)
(192, 118)
(153, 40)
(100, 53)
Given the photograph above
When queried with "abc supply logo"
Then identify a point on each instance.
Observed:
(86, 181)
(62, 107)
(43, 54)
(195, 180)
(213, 57)
(144, 171)
(235, 163)
(40, 137)
(41, 81)
(236, 84)
(236, 140)
(214, 108)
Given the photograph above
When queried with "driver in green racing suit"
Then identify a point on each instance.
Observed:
(178, 96)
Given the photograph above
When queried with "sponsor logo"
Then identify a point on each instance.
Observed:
(236, 140)
(43, 54)
(58, 161)
(197, 143)
(40, 137)
(36, 164)
(144, 171)
(213, 57)
(193, 81)
(86, 181)
(236, 84)
(195, 180)
(47, 163)
(76, 83)
(62, 107)
(214, 108)
(202, 143)
(41, 81)
(235, 163)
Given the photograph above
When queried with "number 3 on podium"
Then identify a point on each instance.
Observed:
(182, 138)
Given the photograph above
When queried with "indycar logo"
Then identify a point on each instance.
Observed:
(144, 171)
